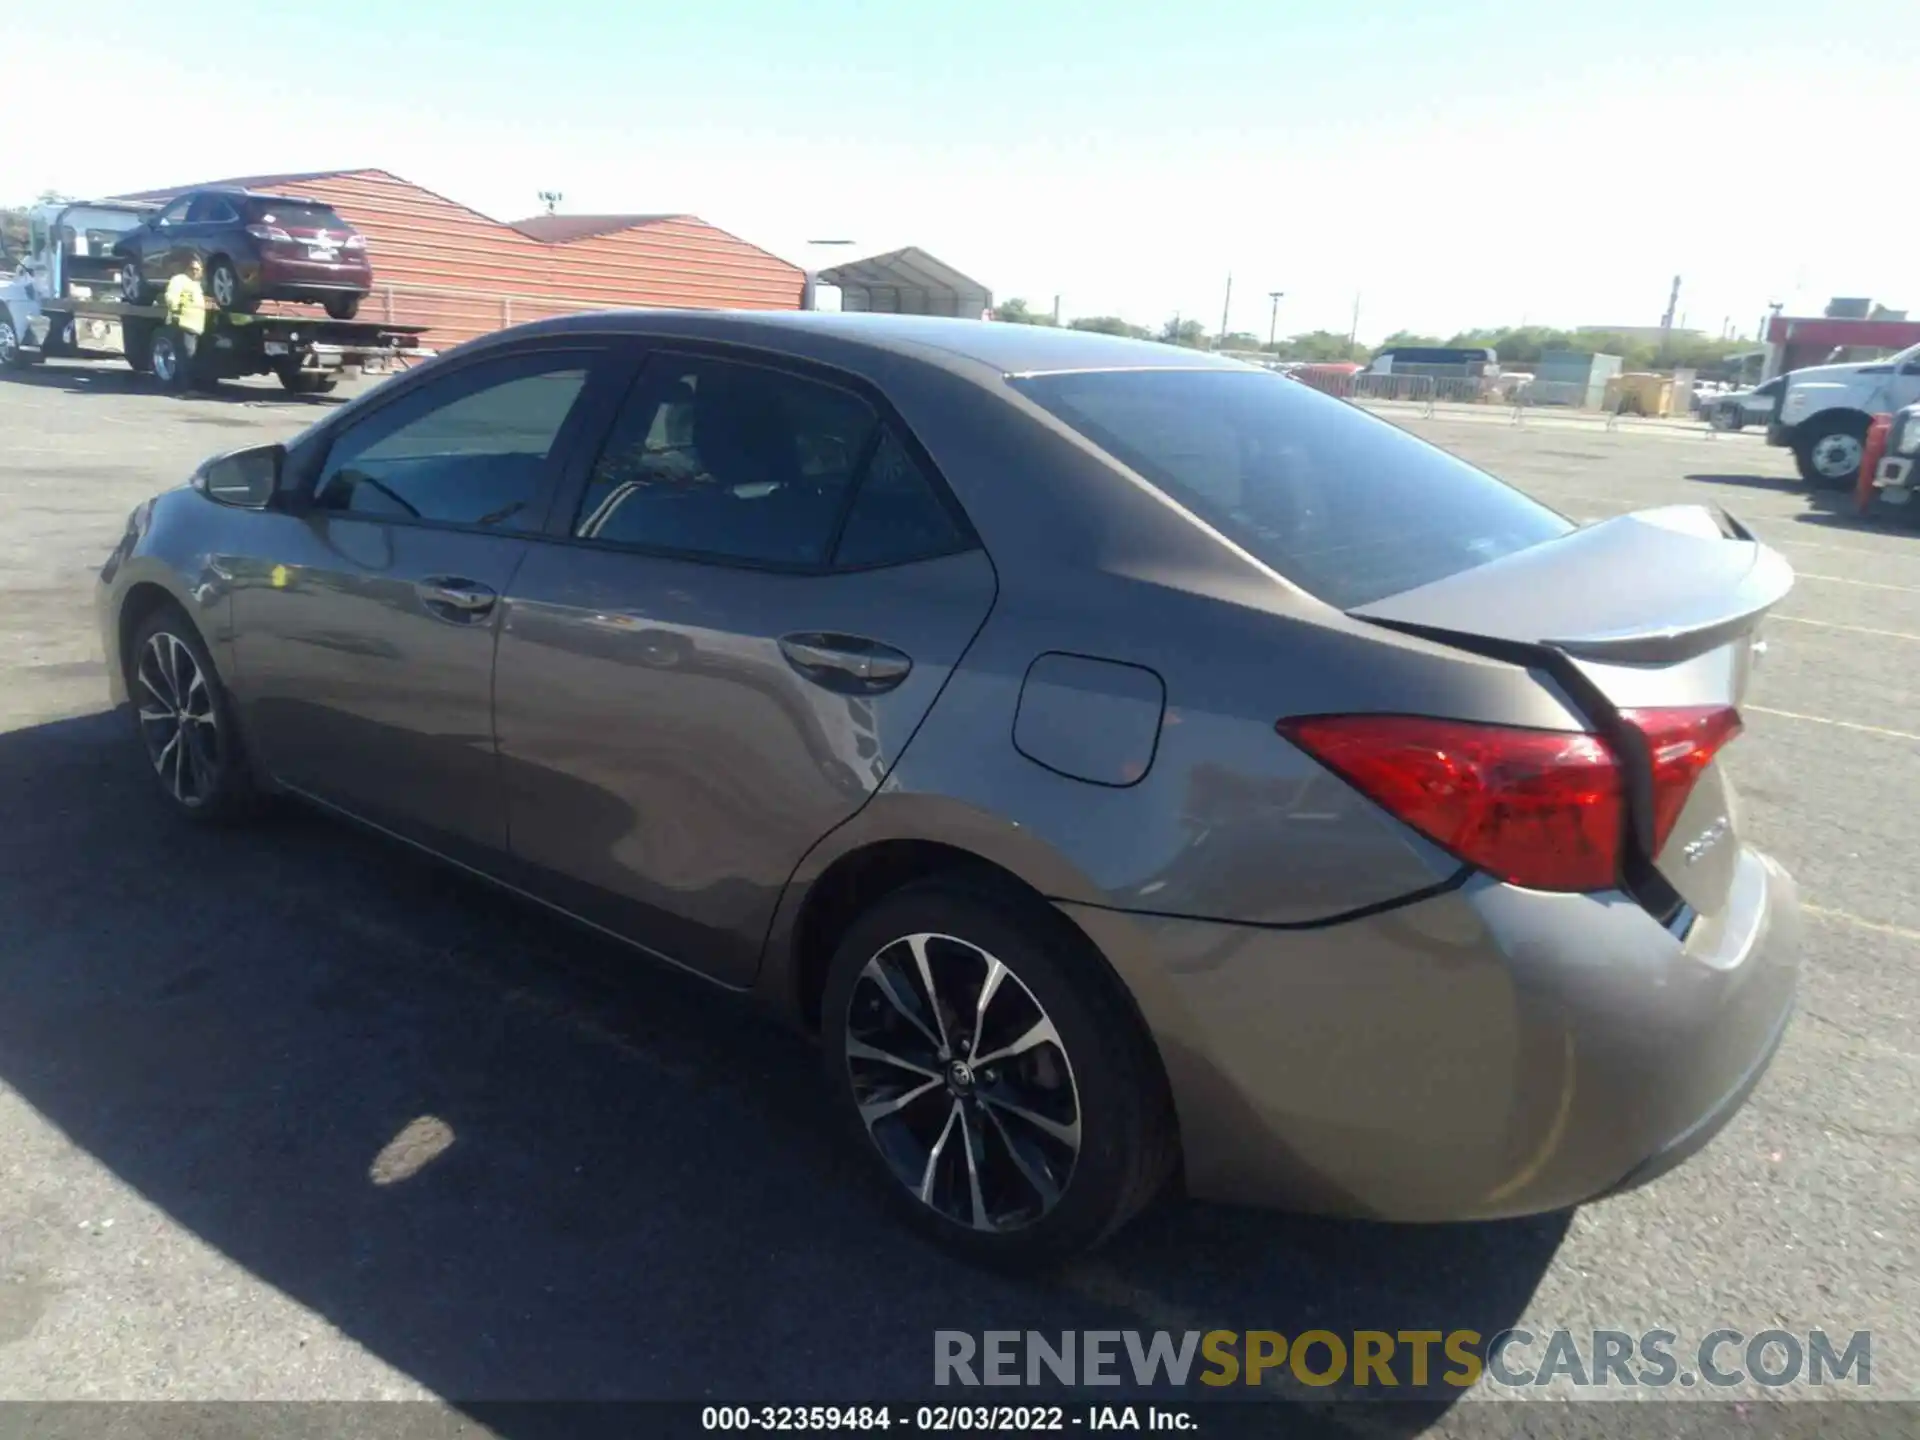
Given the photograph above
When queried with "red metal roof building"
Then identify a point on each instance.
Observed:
(440, 264)
(1802, 340)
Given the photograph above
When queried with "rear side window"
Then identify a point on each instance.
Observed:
(1344, 505)
(897, 515)
(211, 210)
(730, 461)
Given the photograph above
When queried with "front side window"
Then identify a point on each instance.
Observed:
(734, 461)
(473, 448)
(1346, 506)
(177, 211)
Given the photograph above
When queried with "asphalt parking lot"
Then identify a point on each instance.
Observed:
(216, 1049)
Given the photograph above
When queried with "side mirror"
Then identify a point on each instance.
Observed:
(245, 479)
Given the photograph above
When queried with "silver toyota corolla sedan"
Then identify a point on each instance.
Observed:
(1137, 768)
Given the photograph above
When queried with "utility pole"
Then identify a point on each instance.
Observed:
(1353, 330)
(1225, 306)
(1056, 310)
(1273, 320)
(1666, 320)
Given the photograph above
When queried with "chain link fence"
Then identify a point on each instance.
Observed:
(454, 315)
(1515, 399)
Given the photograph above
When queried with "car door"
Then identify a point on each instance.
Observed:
(758, 589)
(1906, 380)
(365, 619)
(160, 245)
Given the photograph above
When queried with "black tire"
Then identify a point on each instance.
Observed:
(209, 780)
(136, 341)
(223, 287)
(296, 381)
(343, 307)
(168, 362)
(1821, 445)
(12, 355)
(1114, 1088)
(133, 289)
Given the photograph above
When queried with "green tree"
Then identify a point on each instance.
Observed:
(1319, 346)
(1017, 312)
(1110, 325)
(13, 225)
(13, 233)
(1190, 333)
(1409, 338)
(1241, 340)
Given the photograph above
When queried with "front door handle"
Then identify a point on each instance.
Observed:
(456, 600)
(849, 664)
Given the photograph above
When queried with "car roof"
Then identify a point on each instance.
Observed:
(241, 193)
(1009, 349)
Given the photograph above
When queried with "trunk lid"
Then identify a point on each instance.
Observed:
(1659, 610)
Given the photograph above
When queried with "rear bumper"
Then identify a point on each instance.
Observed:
(275, 272)
(1486, 1053)
(1894, 479)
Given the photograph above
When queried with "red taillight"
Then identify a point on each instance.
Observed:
(270, 232)
(1680, 742)
(1540, 808)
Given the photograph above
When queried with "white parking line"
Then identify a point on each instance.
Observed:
(1840, 724)
(1863, 584)
(1864, 550)
(1847, 918)
(1850, 629)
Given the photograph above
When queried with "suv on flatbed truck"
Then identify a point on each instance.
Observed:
(1826, 411)
(64, 301)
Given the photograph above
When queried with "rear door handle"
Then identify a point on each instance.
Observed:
(848, 664)
(460, 601)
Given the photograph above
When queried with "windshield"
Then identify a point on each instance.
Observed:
(1346, 506)
(295, 215)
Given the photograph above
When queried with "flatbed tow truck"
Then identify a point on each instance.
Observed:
(63, 302)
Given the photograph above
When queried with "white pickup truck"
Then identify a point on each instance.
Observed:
(1826, 410)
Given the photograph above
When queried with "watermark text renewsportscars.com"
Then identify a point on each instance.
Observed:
(1384, 1360)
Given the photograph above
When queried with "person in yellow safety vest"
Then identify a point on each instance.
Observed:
(186, 308)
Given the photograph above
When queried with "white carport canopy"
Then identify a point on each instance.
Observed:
(908, 282)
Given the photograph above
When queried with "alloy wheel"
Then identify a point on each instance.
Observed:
(166, 359)
(963, 1082)
(1838, 456)
(130, 287)
(9, 343)
(223, 285)
(178, 720)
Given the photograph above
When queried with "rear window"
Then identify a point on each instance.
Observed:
(1344, 505)
(295, 214)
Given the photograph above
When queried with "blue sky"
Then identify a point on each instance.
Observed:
(1453, 164)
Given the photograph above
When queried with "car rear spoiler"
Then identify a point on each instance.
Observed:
(1653, 587)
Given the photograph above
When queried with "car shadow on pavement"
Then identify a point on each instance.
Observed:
(115, 379)
(1784, 484)
(515, 1162)
(1836, 510)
